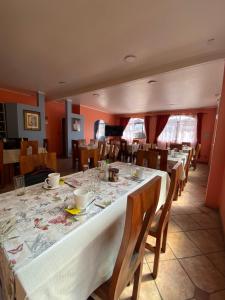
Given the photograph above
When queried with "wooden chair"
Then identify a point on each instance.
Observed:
(82, 142)
(196, 156)
(75, 153)
(186, 144)
(141, 206)
(135, 141)
(1, 164)
(176, 146)
(186, 169)
(45, 144)
(162, 157)
(26, 145)
(123, 153)
(101, 147)
(147, 158)
(159, 227)
(88, 157)
(28, 163)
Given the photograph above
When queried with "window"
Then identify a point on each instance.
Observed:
(100, 134)
(179, 129)
(135, 129)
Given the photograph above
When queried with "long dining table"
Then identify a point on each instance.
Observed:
(47, 253)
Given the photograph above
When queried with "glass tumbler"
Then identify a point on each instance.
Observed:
(19, 185)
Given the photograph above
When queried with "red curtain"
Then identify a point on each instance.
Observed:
(199, 127)
(147, 130)
(160, 125)
(124, 122)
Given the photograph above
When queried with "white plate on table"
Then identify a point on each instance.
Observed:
(47, 187)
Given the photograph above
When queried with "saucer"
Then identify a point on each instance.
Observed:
(47, 187)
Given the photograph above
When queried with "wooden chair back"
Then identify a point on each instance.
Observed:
(28, 163)
(112, 151)
(147, 158)
(123, 152)
(176, 146)
(88, 155)
(75, 152)
(26, 145)
(188, 163)
(141, 207)
(82, 142)
(101, 147)
(135, 141)
(197, 150)
(186, 144)
(45, 144)
(174, 179)
(162, 157)
(1, 163)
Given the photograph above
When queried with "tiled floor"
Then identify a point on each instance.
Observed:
(193, 266)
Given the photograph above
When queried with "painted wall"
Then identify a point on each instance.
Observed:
(54, 112)
(70, 134)
(208, 122)
(92, 115)
(215, 195)
(15, 118)
(11, 96)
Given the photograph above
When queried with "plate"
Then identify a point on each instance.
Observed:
(47, 187)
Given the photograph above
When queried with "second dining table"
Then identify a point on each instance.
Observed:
(49, 254)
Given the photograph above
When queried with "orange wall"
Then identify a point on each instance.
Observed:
(10, 96)
(92, 115)
(54, 113)
(208, 121)
(215, 195)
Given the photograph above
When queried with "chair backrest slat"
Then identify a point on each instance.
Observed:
(28, 163)
(141, 206)
(25, 145)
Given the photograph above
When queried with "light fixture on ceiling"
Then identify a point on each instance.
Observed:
(152, 81)
(172, 104)
(61, 82)
(210, 41)
(95, 94)
(130, 58)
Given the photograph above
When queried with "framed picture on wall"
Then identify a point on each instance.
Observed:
(32, 120)
(76, 124)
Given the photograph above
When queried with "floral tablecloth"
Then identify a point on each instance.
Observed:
(50, 254)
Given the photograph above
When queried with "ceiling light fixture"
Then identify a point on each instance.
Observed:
(152, 81)
(130, 58)
(209, 41)
(95, 94)
(61, 82)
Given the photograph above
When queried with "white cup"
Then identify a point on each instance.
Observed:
(139, 173)
(82, 197)
(53, 179)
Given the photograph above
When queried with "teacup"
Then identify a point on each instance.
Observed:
(82, 197)
(139, 173)
(53, 179)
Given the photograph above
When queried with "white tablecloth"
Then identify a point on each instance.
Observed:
(60, 258)
(11, 156)
(177, 157)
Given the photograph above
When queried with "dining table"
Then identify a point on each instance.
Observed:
(176, 157)
(47, 253)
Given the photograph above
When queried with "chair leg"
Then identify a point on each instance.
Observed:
(137, 282)
(157, 255)
(165, 238)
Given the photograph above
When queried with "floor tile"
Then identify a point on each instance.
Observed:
(206, 220)
(184, 210)
(181, 245)
(173, 227)
(149, 256)
(218, 296)
(186, 222)
(207, 240)
(218, 259)
(203, 273)
(148, 287)
(173, 282)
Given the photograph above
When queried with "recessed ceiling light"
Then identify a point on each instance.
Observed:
(152, 81)
(61, 82)
(95, 94)
(172, 104)
(130, 58)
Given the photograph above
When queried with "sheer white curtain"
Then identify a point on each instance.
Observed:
(179, 129)
(135, 129)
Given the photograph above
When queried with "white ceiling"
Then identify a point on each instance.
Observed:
(83, 42)
(191, 87)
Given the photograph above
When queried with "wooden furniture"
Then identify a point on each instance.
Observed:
(159, 226)
(123, 152)
(176, 146)
(45, 144)
(135, 141)
(88, 157)
(141, 206)
(162, 158)
(147, 158)
(196, 156)
(186, 144)
(101, 147)
(1, 164)
(3, 131)
(186, 168)
(75, 153)
(26, 145)
(28, 163)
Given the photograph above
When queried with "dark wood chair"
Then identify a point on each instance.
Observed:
(135, 141)
(141, 206)
(123, 153)
(186, 144)
(45, 144)
(162, 159)
(29, 163)
(101, 147)
(1, 164)
(26, 145)
(88, 157)
(147, 159)
(195, 157)
(176, 146)
(186, 169)
(159, 227)
(75, 153)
